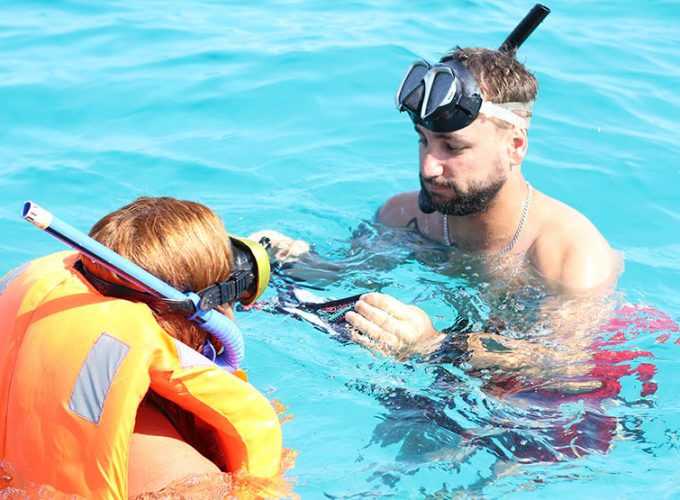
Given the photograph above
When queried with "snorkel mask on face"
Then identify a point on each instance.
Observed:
(248, 280)
(445, 97)
(251, 269)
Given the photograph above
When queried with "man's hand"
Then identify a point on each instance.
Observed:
(280, 247)
(393, 328)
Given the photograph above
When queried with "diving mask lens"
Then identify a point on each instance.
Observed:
(249, 277)
(407, 98)
(442, 98)
(251, 261)
(440, 90)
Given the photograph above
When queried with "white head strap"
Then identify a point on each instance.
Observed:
(504, 111)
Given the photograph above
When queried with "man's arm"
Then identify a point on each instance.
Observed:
(302, 264)
(399, 211)
(392, 328)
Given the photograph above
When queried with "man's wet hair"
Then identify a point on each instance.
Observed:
(501, 77)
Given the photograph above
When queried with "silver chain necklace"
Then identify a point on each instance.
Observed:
(518, 233)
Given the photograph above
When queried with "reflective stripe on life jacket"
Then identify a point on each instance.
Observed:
(74, 367)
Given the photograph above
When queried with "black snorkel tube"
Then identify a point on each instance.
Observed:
(513, 42)
(524, 29)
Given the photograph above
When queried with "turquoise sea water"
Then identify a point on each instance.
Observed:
(280, 114)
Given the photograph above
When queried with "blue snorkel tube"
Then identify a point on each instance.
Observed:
(211, 321)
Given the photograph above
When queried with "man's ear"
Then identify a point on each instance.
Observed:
(517, 145)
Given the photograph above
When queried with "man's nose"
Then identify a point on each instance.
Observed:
(430, 165)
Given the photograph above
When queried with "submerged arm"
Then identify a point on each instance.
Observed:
(372, 245)
(561, 359)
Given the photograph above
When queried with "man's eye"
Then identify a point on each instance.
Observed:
(422, 140)
(454, 149)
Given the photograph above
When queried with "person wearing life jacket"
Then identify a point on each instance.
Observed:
(108, 397)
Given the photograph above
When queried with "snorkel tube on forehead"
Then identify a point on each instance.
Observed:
(445, 97)
(212, 321)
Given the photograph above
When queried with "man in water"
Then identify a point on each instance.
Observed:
(480, 203)
(475, 199)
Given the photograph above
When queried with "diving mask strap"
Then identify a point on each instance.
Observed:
(504, 111)
(224, 292)
(221, 293)
(158, 304)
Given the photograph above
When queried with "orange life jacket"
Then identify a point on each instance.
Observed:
(74, 367)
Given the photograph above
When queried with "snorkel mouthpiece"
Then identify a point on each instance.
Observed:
(424, 202)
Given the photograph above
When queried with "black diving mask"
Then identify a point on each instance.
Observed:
(249, 279)
(445, 97)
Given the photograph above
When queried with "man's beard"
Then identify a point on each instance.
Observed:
(475, 201)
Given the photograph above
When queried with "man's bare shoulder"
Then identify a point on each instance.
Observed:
(569, 250)
(399, 210)
(402, 211)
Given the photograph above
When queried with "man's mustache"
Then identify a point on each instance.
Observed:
(433, 181)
